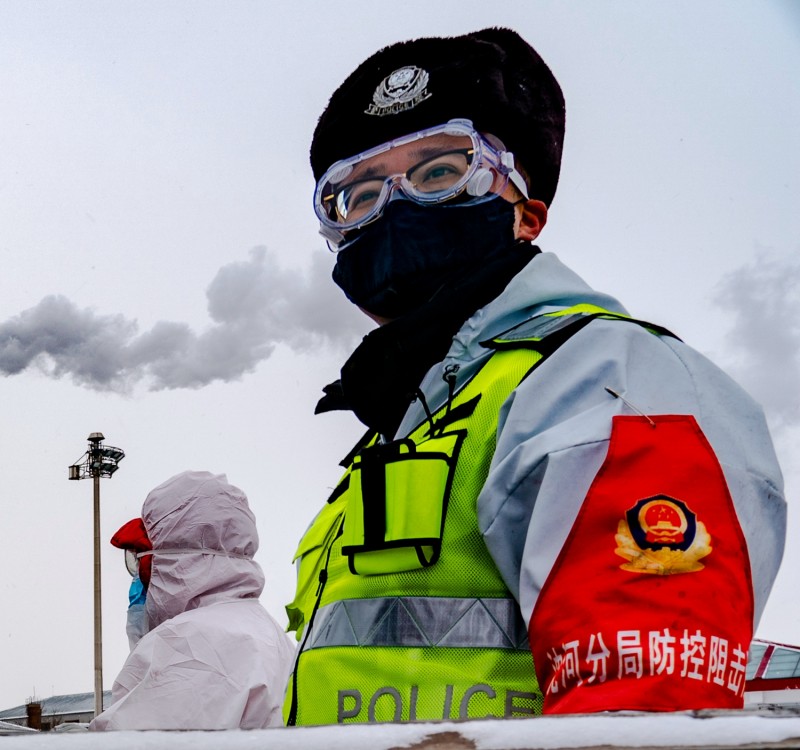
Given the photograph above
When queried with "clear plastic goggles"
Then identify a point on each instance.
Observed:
(450, 162)
(132, 562)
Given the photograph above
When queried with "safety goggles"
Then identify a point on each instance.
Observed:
(132, 539)
(132, 562)
(450, 162)
(134, 559)
(139, 565)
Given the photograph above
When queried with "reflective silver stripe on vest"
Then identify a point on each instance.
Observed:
(419, 621)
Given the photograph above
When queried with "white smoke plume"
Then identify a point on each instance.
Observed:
(763, 299)
(254, 305)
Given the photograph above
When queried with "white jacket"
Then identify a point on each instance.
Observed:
(553, 431)
(213, 657)
(604, 637)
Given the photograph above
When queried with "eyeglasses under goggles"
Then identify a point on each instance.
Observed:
(450, 162)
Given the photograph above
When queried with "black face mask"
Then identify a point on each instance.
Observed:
(399, 263)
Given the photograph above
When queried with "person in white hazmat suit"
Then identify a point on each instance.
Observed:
(211, 657)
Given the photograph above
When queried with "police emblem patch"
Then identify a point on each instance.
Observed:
(662, 536)
(401, 90)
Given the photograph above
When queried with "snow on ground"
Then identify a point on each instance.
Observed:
(6, 728)
(701, 729)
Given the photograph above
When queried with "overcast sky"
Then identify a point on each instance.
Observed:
(163, 281)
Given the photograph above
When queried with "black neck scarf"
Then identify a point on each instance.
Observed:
(381, 377)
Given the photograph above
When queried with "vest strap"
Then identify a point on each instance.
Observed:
(420, 621)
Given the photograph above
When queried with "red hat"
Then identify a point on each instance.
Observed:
(133, 536)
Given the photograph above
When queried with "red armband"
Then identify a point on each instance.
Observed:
(650, 603)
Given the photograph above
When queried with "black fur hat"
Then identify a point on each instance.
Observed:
(492, 77)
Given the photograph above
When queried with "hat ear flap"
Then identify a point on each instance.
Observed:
(145, 570)
(530, 86)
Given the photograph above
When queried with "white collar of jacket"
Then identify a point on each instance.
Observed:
(544, 285)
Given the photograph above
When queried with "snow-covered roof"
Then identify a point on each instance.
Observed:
(59, 705)
(6, 728)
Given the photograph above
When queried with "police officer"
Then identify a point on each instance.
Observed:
(556, 507)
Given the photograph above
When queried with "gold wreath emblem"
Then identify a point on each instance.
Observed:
(664, 561)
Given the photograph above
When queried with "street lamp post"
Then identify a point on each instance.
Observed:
(98, 461)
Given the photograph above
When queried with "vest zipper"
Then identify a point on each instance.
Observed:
(449, 377)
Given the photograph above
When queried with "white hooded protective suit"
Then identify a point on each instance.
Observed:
(213, 657)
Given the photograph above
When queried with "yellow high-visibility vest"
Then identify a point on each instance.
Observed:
(401, 612)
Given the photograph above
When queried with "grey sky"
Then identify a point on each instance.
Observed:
(147, 150)
(762, 298)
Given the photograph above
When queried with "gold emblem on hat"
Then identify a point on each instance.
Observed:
(662, 536)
